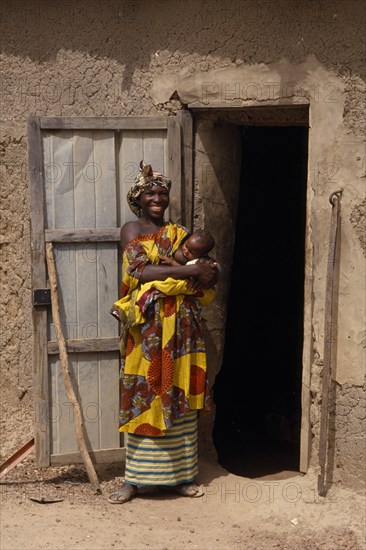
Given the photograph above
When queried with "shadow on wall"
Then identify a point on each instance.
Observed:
(153, 35)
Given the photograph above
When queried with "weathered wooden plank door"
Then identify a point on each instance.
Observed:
(80, 170)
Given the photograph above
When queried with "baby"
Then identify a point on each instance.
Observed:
(194, 249)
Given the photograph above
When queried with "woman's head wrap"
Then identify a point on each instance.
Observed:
(146, 178)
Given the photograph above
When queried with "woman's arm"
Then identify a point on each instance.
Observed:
(204, 273)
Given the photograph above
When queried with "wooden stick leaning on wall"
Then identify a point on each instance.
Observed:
(69, 389)
(328, 358)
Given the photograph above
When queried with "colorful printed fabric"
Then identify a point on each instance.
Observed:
(134, 307)
(163, 358)
(168, 460)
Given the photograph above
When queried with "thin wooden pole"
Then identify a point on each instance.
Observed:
(328, 342)
(69, 389)
(17, 457)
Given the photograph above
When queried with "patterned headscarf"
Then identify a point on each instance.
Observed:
(146, 178)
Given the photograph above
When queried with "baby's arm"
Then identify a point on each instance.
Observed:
(177, 259)
(168, 261)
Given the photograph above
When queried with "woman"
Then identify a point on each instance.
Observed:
(163, 359)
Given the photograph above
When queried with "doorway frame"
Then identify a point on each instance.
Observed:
(255, 111)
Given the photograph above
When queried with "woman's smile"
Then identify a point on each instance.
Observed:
(158, 208)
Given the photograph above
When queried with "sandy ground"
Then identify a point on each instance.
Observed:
(234, 513)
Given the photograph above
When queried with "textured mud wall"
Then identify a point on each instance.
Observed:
(127, 58)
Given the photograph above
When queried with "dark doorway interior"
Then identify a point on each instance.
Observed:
(257, 392)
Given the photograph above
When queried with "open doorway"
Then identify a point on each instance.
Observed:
(258, 390)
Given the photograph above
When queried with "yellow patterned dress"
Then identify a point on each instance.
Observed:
(163, 358)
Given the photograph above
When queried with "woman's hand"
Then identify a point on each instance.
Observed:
(206, 276)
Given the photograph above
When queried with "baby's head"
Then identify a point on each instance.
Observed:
(199, 244)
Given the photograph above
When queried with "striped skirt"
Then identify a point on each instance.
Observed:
(167, 460)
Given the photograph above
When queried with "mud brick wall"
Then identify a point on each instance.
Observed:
(120, 57)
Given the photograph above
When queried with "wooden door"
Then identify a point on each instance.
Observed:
(79, 172)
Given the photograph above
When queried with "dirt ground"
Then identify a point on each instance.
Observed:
(55, 508)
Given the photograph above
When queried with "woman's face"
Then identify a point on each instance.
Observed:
(154, 201)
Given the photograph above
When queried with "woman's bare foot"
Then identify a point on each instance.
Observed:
(123, 494)
(189, 490)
